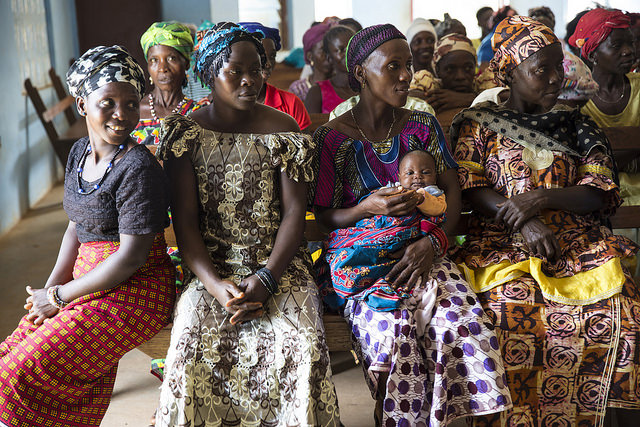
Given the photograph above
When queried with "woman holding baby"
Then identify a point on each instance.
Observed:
(426, 362)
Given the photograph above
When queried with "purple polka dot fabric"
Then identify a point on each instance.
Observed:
(451, 369)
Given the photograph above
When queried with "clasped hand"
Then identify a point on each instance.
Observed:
(38, 305)
(517, 210)
(244, 301)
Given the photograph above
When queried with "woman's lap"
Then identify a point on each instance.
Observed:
(275, 369)
(456, 363)
(558, 356)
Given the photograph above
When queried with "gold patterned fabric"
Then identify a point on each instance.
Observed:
(271, 371)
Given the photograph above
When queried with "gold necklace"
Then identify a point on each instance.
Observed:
(393, 112)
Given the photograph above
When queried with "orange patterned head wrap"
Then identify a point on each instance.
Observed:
(515, 39)
(594, 27)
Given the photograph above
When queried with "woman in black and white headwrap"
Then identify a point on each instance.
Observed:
(112, 287)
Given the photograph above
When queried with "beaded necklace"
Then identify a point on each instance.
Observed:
(175, 110)
(83, 160)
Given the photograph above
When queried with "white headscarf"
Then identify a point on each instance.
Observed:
(419, 25)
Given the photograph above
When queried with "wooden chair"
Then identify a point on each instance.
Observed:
(62, 95)
(625, 142)
(61, 142)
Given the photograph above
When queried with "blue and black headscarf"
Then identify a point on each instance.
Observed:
(267, 32)
(214, 49)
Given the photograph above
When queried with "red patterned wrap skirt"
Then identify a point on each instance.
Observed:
(61, 373)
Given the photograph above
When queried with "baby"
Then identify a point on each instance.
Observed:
(359, 257)
(417, 171)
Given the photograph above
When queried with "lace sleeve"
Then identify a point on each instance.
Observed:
(178, 135)
(293, 152)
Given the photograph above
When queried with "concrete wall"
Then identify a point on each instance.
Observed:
(28, 165)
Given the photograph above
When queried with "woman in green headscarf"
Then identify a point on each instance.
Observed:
(167, 47)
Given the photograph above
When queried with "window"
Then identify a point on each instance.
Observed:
(31, 40)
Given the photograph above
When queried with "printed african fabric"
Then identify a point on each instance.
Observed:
(359, 258)
(151, 128)
(270, 371)
(61, 373)
(439, 370)
(568, 356)
(442, 363)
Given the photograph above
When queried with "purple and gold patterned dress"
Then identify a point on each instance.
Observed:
(452, 367)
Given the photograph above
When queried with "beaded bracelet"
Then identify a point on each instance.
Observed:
(439, 242)
(267, 280)
(54, 298)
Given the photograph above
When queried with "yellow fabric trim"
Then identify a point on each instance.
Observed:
(471, 165)
(600, 170)
(583, 288)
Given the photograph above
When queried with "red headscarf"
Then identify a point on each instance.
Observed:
(594, 27)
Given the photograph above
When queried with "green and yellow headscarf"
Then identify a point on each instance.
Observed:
(172, 34)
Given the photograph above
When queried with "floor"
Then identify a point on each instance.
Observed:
(27, 254)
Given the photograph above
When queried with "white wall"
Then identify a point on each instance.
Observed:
(224, 10)
(372, 12)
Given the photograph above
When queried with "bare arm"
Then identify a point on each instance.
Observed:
(118, 267)
(448, 181)
(313, 101)
(184, 211)
(63, 270)
(293, 199)
(130, 256)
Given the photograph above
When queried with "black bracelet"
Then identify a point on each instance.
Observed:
(266, 277)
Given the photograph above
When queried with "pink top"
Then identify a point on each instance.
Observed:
(330, 98)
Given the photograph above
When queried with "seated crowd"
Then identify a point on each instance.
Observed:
(531, 319)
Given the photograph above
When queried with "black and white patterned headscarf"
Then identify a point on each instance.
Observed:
(102, 65)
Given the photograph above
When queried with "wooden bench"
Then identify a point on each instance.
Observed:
(77, 127)
(338, 334)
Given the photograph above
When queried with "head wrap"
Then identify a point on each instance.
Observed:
(419, 25)
(312, 37)
(215, 48)
(578, 84)
(594, 27)
(451, 43)
(268, 32)
(102, 65)
(515, 39)
(545, 12)
(444, 27)
(364, 43)
(172, 34)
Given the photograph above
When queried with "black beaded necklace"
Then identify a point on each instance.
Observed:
(83, 160)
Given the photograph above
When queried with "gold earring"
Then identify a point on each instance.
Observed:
(150, 80)
(364, 84)
(311, 64)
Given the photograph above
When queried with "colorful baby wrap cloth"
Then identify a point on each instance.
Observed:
(359, 258)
